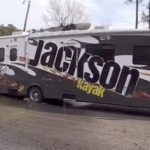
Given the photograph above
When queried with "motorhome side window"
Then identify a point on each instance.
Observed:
(141, 55)
(13, 54)
(2, 54)
(105, 51)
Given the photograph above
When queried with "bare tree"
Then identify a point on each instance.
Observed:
(64, 12)
(146, 15)
(137, 2)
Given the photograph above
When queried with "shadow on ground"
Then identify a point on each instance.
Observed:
(76, 108)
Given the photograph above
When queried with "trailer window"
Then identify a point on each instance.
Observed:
(141, 55)
(105, 51)
(2, 54)
(13, 54)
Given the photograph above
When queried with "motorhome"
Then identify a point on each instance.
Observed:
(97, 66)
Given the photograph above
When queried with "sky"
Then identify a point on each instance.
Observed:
(114, 13)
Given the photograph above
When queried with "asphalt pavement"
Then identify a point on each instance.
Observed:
(28, 126)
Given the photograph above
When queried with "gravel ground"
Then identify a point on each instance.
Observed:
(25, 126)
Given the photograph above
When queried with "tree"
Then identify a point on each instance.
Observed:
(145, 15)
(7, 30)
(64, 12)
(137, 2)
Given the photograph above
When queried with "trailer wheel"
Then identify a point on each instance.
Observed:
(35, 94)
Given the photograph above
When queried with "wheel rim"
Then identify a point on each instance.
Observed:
(35, 95)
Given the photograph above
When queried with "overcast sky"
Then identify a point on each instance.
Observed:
(13, 11)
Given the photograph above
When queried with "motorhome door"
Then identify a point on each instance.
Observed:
(10, 70)
(3, 66)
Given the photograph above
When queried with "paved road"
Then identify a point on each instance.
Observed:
(28, 126)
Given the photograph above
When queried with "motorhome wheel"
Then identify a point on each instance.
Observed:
(35, 94)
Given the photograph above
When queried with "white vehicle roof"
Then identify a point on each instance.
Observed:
(91, 32)
(82, 32)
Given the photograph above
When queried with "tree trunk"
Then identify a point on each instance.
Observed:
(137, 11)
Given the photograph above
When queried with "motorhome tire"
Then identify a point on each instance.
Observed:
(35, 94)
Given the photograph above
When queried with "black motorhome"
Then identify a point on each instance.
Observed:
(99, 66)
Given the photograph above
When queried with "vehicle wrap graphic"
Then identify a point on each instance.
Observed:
(95, 67)
(88, 71)
(7, 83)
(89, 88)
